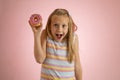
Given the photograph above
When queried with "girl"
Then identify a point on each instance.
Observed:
(56, 48)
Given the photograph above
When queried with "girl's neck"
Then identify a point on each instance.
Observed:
(62, 41)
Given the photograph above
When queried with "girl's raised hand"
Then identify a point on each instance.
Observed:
(36, 29)
(35, 22)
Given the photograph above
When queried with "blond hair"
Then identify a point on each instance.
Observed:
(69, 35)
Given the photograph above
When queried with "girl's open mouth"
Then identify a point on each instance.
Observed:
(59, 36)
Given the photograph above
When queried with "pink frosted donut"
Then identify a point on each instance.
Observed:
(35, 19)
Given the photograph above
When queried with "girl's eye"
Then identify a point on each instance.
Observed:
(56, 25)
(63, 25)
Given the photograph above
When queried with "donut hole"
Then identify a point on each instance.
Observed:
(35, 19)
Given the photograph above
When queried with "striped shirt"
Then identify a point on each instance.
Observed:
(56, 66)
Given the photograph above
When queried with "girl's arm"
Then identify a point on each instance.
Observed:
(39, 42)
(40, 47)
(78, 69)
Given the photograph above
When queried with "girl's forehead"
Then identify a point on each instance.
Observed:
(60, 18)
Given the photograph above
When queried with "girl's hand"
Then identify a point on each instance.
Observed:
(36, 29)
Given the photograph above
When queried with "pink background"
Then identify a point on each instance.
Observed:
(98, 24)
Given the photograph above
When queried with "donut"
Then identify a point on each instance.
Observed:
(35, 20)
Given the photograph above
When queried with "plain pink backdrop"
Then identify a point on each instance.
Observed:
(98, 24)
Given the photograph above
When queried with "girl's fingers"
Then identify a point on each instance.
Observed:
(36, 29)
(33, 28)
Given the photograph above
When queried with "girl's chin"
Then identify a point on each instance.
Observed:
(58, 39)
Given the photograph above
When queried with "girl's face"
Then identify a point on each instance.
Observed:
(59, 27)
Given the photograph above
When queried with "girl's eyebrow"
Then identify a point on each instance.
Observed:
(55, 22)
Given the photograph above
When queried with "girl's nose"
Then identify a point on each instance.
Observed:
(60, 28)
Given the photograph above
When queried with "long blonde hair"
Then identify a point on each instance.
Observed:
(69, 36)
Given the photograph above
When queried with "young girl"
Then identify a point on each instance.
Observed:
(56, 48)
